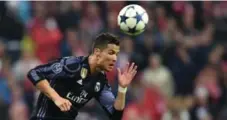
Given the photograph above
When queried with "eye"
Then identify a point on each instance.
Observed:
(111, 52)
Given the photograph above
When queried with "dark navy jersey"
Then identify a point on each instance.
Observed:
(71, 78)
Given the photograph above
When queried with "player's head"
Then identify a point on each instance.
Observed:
(105, 48)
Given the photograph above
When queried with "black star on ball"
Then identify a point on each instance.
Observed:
(138, 17)
(123, 19)
(132, 30)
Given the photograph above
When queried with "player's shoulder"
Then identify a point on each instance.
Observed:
(73, 59)
(73, 63)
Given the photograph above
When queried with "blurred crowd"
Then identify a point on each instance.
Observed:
(181, 56)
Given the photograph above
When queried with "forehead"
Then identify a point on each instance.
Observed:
(113, 47)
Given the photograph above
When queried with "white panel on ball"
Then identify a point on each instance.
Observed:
(130, 12)
(140, 25)
(122, 12)
(124, 27)
(145, 18)
(131, 22)
(139, 9)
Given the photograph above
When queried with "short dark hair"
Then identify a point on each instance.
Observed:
(103, 39)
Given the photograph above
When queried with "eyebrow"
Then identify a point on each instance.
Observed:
(115, 51)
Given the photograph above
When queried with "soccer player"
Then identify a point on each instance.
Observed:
(67, 84)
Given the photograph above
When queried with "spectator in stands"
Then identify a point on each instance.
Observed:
(183, 69)
(22, 66)
(45, 33)
(91, 24)
(5, 83)
(188, 20)
(18, 108)
(161, 18)
(158, 76)
(70, 17)
(72, 45)
(177, 109)
(20, 69)
(208, 93)
(149, 105)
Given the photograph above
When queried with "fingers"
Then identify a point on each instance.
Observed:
(119, 70)
(131, 67)
(126, 68)
(68, 105)
(65, 105)
(134, 73)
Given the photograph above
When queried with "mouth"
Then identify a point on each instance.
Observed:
(111, 65)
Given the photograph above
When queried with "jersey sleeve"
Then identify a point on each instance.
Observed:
(58, 68)
(107, 99)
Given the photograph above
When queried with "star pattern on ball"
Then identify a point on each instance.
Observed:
(132, 20)
(131, 7)
(123, 18)
(138, 17)
(132, 30)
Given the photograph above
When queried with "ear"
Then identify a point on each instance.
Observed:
(97, 51)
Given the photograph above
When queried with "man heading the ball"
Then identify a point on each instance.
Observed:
(67, 84)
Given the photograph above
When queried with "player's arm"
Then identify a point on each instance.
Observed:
(43, 75)
(124, 79)
(115, 107)
(119, 103)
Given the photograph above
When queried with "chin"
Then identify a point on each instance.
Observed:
(108, 69)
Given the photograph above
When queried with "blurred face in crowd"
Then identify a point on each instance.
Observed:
(112, 21)
(71, 37)
(127, 45)
(201, 94)
(93, 11)
(172, 24)
(76, 5)
(160, 11)
(217, 11)
(39, 9)
(154, 61)
(27, 55)
(115, 5)
(107, 57)
(52, 8)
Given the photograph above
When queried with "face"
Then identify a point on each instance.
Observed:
(154, 62)
(108, 57)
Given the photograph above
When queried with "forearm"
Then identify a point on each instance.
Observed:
(119, 103)
(45, 88)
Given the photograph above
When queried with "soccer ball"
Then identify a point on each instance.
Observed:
(132, 19)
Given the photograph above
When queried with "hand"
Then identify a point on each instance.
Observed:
(125, 77)
(63, 104)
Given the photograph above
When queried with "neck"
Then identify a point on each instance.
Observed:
(93, 65)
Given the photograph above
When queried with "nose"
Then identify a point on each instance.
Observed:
(115, 58)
